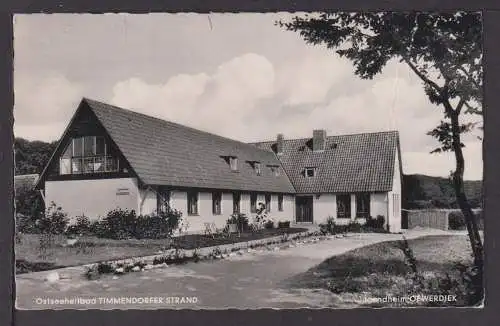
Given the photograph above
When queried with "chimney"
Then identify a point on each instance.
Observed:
(279, 144)
(319, 140)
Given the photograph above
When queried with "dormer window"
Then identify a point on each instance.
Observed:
(257, 168)
(275, 169)
(309, 172)
(233, 162)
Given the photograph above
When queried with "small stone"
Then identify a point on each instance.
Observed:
(148, 267)
(115, 277)
(52, 277)
(119, 270)
(159, 252)
(136, 269)
(276, 248)
(232, 254)
(239, 253)
(218, 256)
(291, 245)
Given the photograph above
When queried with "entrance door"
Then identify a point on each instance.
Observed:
(304, 209)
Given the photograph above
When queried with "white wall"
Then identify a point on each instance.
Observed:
(92, 198)
(205, 214)
(395, 208)
(146, 201)
(323, 207)
(378, 204)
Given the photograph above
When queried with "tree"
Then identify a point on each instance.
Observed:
(443, 49)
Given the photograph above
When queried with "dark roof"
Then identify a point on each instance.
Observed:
(166, 153)
(25, 182)
(350, 163)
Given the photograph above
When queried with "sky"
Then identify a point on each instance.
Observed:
(236, 75)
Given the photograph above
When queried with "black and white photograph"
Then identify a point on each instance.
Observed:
(279, 160)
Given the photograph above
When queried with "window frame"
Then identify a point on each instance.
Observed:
(360, 197)
(267, 200)
(280, 202)
(81, 162)
(347, 213)
(236, 202)
(190, 196)
(306, 174)
(216, 203)
(253, 202)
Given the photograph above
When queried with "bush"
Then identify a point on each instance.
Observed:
(53, 221)
(157, 226)
(283, 224)
(375, 223)
(354, 227)
(240, 219)
(456, 220)
(120, 224)
(329, 227)
(124, 224)
(26, 224)
(269, 224)
(81, 227)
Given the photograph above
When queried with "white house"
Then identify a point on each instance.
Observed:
(110, 157)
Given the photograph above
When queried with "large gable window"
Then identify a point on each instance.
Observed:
(89, 154)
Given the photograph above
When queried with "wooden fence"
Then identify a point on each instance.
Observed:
(427, 218)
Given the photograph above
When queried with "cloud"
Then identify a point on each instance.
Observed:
(205, 101)
(42, 106)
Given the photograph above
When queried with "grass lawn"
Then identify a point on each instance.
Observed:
(93, 249)
(379, 270)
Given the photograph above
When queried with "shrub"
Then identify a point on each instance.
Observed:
(240, 219)
(120, 224)
(354, 226)
(158, 226)
(456, 220)
(329, 227)
(269, 224)
(53, 221)
(26, 224)
(375, 223)
(283, 224)
(81, 227)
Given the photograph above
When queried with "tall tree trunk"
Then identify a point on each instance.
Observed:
(458, 184)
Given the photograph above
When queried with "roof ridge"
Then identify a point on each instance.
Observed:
(174, 123)
(338, 135)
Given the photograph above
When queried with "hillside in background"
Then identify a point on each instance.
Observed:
(32, 156)
(420, 191)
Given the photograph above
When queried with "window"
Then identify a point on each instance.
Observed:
(344, 206)
(253, 203)
(268, 203)
(363, 204)
(89, 154)
(192, 202)
(216, 203)
(309, 172)
(162, 200)
(280, 202)
(275, 169)
(236, 203)
(233, 162)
